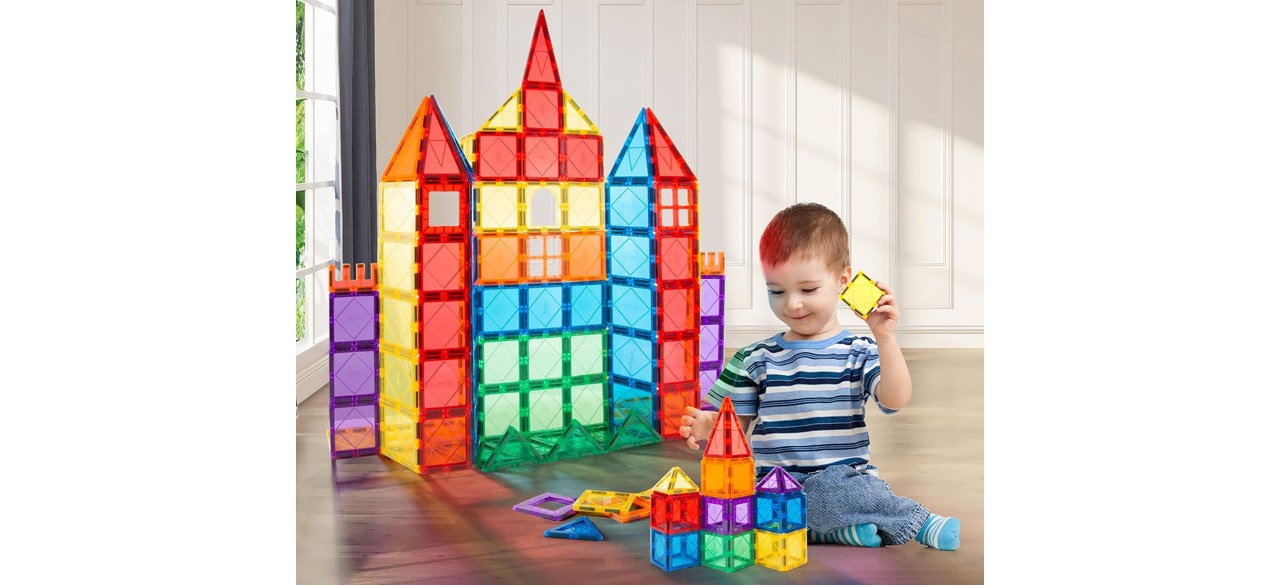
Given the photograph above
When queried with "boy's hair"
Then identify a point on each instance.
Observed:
(805, 230)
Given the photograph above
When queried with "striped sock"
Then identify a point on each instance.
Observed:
(940, 532)
(853, 535)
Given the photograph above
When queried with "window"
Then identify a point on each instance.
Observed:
(316, 111)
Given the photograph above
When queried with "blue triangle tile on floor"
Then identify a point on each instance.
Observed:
(580, 529)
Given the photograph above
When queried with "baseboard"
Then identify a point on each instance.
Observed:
(313, 372)
(936, 336)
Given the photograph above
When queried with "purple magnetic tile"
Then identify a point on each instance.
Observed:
(353, 417)
(353, 317)
(728, 516)
(354, 373)
(708, 343)
(712, 296)
(707, 379)
(531, 506)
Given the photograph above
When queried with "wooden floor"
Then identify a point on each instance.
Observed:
(369, 520)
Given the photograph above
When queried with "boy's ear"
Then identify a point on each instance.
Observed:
(846, 276)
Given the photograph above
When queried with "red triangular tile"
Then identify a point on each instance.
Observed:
(667, 162)
(727, 439)
(541, 66)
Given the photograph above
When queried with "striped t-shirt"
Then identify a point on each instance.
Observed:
(808, 397)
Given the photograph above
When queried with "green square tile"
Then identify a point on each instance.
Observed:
(586, 353)
(546, 358)
(728, 552)
(546, 409)
(587, 404)
(499, 412)
(501, 361)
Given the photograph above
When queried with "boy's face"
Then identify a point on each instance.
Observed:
(804, 293)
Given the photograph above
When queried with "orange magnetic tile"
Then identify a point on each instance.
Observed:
(639, 509)
(444, 442)
(711, 262)
(673, 404)
(347, 284)
(728, 478)
(403, 165)
(499, 259)
(586, 256)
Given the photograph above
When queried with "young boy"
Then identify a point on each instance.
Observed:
(809, 384)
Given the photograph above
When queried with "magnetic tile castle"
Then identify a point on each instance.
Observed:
(532, 309)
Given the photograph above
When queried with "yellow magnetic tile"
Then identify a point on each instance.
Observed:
(674, 482)
(399, 379)
(862, 294)
(575, 120)
(395, 265)
(602, 503)
(498, 206)
(507, 117)
(782, 552)
(585, 207)
(398, 206)
(399, 320)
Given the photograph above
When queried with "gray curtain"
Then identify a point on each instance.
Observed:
(359, 152)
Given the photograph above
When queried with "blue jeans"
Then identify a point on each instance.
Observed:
(842, 495)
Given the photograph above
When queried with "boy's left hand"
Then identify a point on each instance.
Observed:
(884, 319)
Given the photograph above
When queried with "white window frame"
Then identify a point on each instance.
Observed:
(314, 270)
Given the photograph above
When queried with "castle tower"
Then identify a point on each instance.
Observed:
(540, 300)
(781, 519)
(728, 502)
(353, 362)
(424, 232)
(652, 220)
(674, 522)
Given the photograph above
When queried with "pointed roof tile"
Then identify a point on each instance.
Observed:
(727, 439)
(778, 481)
(675, 482)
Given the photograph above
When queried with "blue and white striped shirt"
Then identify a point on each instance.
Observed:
(808, 397)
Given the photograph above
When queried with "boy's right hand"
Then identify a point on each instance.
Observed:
(696, 425)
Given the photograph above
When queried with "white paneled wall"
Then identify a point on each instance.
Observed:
(870, 107)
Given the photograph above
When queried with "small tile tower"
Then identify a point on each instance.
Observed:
(711, 336)
(674, 522)
(353, 362)
(728, 502)
(781, 517)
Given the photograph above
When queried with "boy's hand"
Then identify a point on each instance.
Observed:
(696, 425)
(884, 319)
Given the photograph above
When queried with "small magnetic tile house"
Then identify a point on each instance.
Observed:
(529, 311)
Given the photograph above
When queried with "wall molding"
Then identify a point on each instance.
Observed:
(313, 372)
